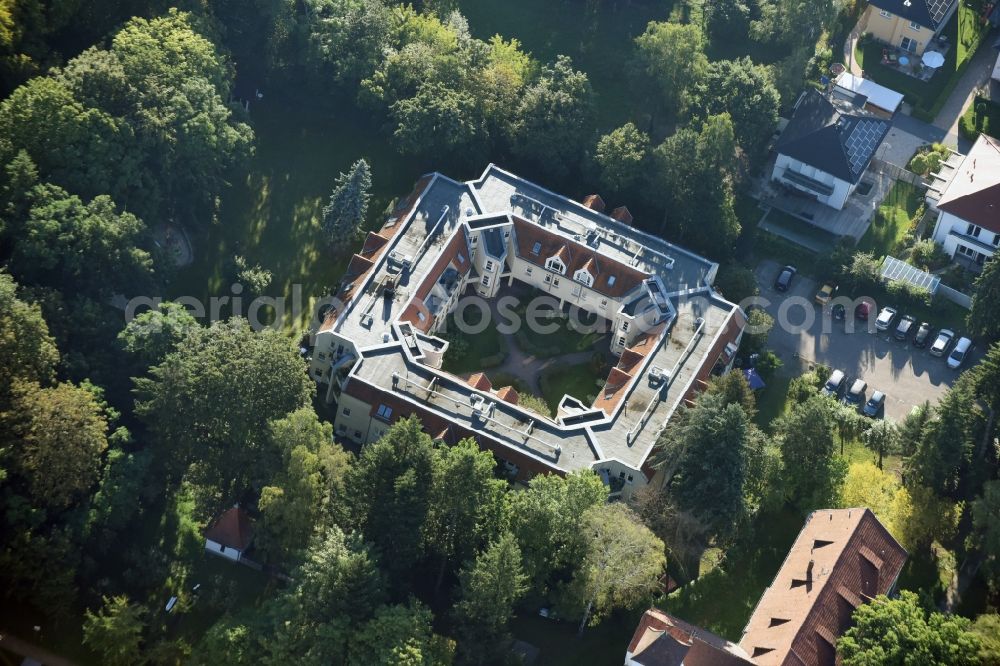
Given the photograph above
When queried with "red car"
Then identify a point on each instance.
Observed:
(863, 310)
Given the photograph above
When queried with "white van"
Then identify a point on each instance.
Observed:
(957, 355)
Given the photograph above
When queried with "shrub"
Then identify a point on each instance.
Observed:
(907, 295)
(493, 360)
(928, 255)
(864, 271)
(768, 364)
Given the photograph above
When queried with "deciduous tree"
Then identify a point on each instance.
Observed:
(892, 632)
(622, 158)
(673, 55)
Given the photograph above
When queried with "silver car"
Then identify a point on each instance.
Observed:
(942, 342)
(885, 319)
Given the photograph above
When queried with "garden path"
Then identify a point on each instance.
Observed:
(529, 368)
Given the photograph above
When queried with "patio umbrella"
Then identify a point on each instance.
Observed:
(755, 380)
(933, 59)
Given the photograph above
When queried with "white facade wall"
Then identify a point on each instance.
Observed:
(952, 234)
(354, 420)
(841, 188)
(222, 551)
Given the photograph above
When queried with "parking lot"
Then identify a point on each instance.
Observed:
(907, 375)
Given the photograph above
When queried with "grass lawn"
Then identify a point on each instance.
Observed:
(982, 117)
(596, 35)
(559, 644)
(723, 600)
(579, 381)
(772, 400)
(566, 339)
(466, 352)
(892, 220)
(783, 220)
(271, 212)
(963, 32)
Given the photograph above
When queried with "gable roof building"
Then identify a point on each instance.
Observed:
(968, 224)
(930, 14)
(230, 534)
(841, 559)
(827, 146)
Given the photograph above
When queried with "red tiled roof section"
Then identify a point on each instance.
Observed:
(549, 243)
(412, 313)
(456, 252)
(594, 202)
(480, 381)
(508, 394)
(629, 359)
(622, 214)
(232, 529)
(840, 558)
(373, 243)
(705, 648)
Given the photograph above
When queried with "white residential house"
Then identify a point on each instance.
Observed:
(230, 534)
(826, 147)
(968, 224)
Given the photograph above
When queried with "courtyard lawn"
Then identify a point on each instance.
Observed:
(964, 33)
(892, 220)
(597, 36)
(472, 353)
(568, 338)
(579, 380)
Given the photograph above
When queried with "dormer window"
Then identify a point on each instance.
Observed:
(556, 265)
(584, 277)
(536, 248)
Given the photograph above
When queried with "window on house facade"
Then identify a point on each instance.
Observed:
(486, 280)
(973, 230)
(604, 302)
(346, 411)
(915, 27)
(489, 265)
(621, 341)
(555, 282)
(527, 271)
(357, 434)
(996, 240)
(384, 412)
(548, 279)
(908, 44)
(624, 326)
(475, 239)
(883, 13)
(554, 264)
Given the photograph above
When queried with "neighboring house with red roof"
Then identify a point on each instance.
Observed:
(840, 560)
(968, 224)
(230, 534)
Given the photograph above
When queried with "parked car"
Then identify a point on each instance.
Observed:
(923, 335)
(885, 318)
(834, 384)
(824, 295)
(942, 342)
(784, 279)
(958, 354)
(856, 394)
(903, 327)
(875, 404)
(863, 310)
(839, 311)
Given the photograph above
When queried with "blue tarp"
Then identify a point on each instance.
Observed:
(753, 379)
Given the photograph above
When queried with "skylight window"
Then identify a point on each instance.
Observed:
(611, 280)
(536, 248)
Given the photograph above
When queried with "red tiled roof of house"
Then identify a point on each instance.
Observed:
(629, 359)
(373, 243)
(622, 214)
(616, 279)
(842, 557)
(232, 529)
(664, 640)
(508, 394)
(417, 314)
(594, 202)
(480, 381)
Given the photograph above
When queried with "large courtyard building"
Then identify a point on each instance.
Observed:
(378, 353)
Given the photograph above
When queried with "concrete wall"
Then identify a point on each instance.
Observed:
(841, 188)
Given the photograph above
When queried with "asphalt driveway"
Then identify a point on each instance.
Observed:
(907, 375)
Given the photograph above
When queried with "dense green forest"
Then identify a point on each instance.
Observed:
(231, 120)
